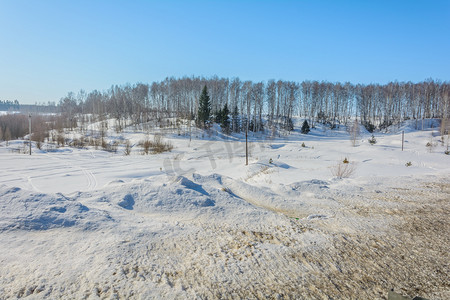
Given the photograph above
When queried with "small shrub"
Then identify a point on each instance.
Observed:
(343, 170)
(95, 142)
(408, 164)
(77, 143)
(110, 147)
(104, 144)
(127, 150)
(447, 152)
(145, 146)
(60, 140)
(430, 145)
(345, 161)
(113, 147)
(372, 140)
(91, 141)
(157, 145)
(303, 145)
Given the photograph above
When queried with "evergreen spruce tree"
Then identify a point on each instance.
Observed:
(218, 116)
(305, 127)
(290, 125)
(224, 122)
(235, 117)
(204, 108)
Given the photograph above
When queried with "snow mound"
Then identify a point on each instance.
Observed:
(313, 185)
(127, 202)
(32, 211)
(115, 182)
(191, 185)
(213, 180)
(150, 196)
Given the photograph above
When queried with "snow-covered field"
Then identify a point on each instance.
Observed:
(197, 223)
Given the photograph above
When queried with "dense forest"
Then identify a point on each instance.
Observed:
(264, 105)
(236, 105)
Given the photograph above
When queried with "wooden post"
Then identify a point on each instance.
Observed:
(246, 148)
(403, 138)
(29, 127)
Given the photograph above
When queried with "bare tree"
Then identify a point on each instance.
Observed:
(354, 133)
(39, 131)
(271, 97)
(7, 135)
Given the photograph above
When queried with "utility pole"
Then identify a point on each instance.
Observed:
(403, 138)
(29, 127)
(246, 145)
(246, 149)
(190, 123)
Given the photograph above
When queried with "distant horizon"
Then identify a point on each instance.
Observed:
(51, 47)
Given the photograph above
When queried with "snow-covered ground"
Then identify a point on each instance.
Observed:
(197, 223)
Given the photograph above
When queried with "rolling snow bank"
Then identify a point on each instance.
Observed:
(31, 211)
(196, 196)
(180, 195)
(190, 197)
(212, 236)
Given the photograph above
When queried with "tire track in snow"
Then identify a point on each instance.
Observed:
(259, 198)
(30, 182)
(92, 181)
(90, 177)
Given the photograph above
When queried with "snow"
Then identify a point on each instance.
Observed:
(197, 222)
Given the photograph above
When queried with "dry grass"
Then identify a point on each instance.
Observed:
(127, 150)
(156, 146)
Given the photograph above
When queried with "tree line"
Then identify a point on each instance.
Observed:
(6, 105)
(236, 105)
(266, 104)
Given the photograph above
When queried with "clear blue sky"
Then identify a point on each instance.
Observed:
(48, 48)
